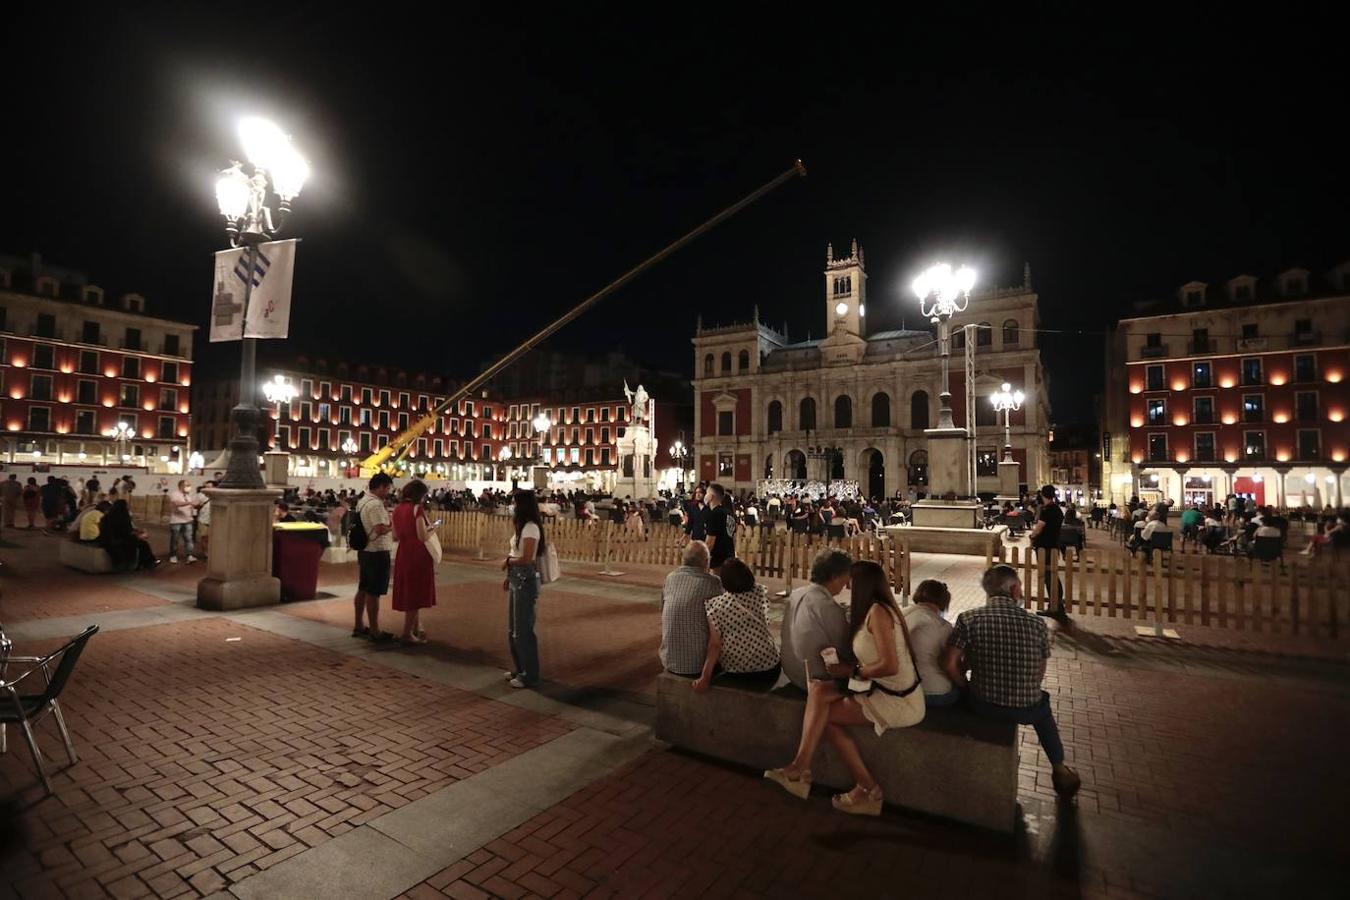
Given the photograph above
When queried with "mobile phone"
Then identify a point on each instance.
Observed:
(830, 655)
(437, 523)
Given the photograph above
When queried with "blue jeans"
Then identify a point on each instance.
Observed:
(1038, 716)
(522, 594)
(951, 698)
(181, 532)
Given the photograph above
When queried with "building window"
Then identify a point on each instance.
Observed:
(1200, 341)
(1202, 375)
(918, 410)
(325, 412)
(1250, 331)
(131, 367)
(344, 415)
(1305, 368)
(708, 366)
(604, 456)
(86, 392)
(166, 428)
(843, 411)
(364, 441)
(986, 415)
(806, 414)
(346, 395)
(403, 400)
(132, 340)
(726, 422)
(384, 420)
(365, 417)
(576, 455)
(169, 373)
(1156, 412)
(44, 357)
(1157, 447)
(1305, 406)
(89, 333)
(171, 345)
(959, 339)
(604, 435)
(548, 455)
(402, 421)
(1254, 445)
(46, 325)
(384, 398)
(1154, 376)
(1010, 333)
(1253, 408)
(366, 397)
(726, 363)
(881, 410)
(986, 461)
(1204, 446)
(304, 438)
(1251, 371)
(84, 421)
(39, 418)
(323, 439)
(743, 361)
(1204, 411)
(42, 388)
(88, 362)
(1153, 340)
(284, 437)
(131, 396)
(726, 465)
(775, 417)
(984, 335)
(487, 429)
(1309, 443)
(168, 399)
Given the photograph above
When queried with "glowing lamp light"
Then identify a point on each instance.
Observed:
(164, 459)
(1205, 478)
(1180, 420)
(1230, 419)
(81, 454)
(1280, 418)
(1137, 422)
(1282, 456)
(1338, 456)
(182, 432)
(232, 192)
(1336, 415)
(1230, 456)
(1334, 377)
(183, 410)
(37, 454)
(1178, 385)
(1257, 478)
(18, 362)
(108, 404)
(66, 370)
(16, 393)
(1311, 478)
(1138, 457)
(149, 407)
(1182, 457)
(1136, 388)
(862, 309)
(840, 309)
(109, 373)
(949, 290)
(1225, 382)
(14, 426)
(149, 432)
(1278, 378)
(1331, 479)
(64, 398)
(62, 429)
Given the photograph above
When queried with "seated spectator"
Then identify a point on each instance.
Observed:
(126, 544)
(85, 527)
(1335, 534)
(281, 512)
(1004, 648)
(1143, 535)
(684, 617)
(739, 643)
(878, 637)
(928, 633)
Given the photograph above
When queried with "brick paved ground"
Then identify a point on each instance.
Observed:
(204, 761)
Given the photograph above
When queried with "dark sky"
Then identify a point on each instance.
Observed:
(478, 173)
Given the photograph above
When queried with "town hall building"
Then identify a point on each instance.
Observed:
(853, 406)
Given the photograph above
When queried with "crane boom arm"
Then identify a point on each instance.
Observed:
(404, 441)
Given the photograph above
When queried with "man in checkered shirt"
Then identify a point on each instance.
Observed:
(684, 612)
(1004, 647)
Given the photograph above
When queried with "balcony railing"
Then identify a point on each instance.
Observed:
(1206, 346)
(1153, 351)
(133, 345)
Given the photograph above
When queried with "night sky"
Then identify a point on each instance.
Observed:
(477, 174)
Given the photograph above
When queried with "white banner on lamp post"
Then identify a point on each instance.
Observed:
(269, 306)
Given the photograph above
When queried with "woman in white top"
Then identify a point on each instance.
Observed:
(928, 634)
(522, 589)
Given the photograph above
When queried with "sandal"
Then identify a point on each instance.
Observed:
(799, 787)
(413, 641)
(869, 804)
(361, 632)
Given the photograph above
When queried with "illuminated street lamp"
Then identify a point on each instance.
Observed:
(942, 293)
(281, 392)
(680, 453)
(1007, 401)
(196, 461)
(122, 432)
(349, 448)
(275, 169)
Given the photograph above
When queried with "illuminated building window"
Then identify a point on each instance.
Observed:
(130, 396)
(986, 461)
(1253, 408)
(576, 455)
(726, 465)
(1202, 375)
(1251, 371)
(1254, 445)
(1157, 447)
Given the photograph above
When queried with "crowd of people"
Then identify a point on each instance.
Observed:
(870, 665)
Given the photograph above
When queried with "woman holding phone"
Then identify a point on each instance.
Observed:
(522, 589)
(414, 569)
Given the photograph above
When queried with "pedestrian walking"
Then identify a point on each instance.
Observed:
(31, 499)
(414, 567)
(180, 523)
(522, 589)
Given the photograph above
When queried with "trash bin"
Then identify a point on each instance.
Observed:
(296, 550)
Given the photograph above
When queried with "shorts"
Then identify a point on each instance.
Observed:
(373, 566)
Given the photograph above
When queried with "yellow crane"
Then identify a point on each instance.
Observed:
(388, 456)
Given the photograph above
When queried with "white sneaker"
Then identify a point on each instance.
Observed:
(173, 559)
(192, 559)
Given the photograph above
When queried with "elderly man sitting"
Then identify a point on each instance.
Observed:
(684, 616)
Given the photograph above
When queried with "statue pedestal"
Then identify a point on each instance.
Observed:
(948, 504)
(276, 467)
(636, 477)
(1009, 480)
(239, 567)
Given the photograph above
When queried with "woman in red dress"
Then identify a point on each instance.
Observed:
(414, 569)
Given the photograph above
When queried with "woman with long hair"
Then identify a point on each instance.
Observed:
(414, 569)
(892, 700)
(127, 546)
(522, 588)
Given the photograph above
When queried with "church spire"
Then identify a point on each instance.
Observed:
(829, 252)
(1026, 275)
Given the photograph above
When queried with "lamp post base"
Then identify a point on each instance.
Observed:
(276, 468)
(239, 567)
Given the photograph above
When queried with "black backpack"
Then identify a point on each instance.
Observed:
(357, 538)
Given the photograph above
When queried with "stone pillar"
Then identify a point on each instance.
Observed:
(1339, 472)
(948, 468)
(1009, 479)
(239, 567)
(1281, 485)
(276, 468)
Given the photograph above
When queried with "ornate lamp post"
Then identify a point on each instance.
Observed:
(942, 293)
(1007, 401)
(680, 453)
(349, 449)
(122, 432)
(504, 455)
(274, 169)
(280, 392)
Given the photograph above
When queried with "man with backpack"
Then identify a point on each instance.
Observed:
(370, 537)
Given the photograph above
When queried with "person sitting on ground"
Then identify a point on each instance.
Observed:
(125, 543)
(880, 644)
(928, 632)
(740, 646)
(1004, 648)
(684, 617)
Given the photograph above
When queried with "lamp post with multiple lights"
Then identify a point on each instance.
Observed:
(280, 392)
(942, 293)
(243, 191)
(122, 432)
(680, 453)
(1007, 401)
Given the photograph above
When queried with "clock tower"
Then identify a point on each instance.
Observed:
(845, 292)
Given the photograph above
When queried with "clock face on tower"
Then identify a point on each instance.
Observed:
(845, 292)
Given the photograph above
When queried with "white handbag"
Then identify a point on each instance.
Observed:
(550, 568)
(434, 548)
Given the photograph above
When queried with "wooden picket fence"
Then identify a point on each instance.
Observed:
(149, 507)
(769, 553)
(1192, 589)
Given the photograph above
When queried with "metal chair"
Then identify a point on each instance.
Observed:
(1160, 542)
(29, 709)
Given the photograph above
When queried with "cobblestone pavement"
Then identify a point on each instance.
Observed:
(298, 761)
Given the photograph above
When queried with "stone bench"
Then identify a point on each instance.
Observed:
(952, 764)
(87, 557)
